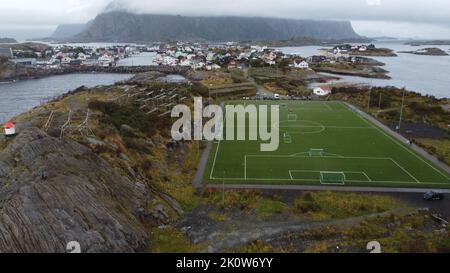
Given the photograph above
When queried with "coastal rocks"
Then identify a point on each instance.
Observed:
(432, 51)
(11, 71)
(147, 77)
(363, 71)
(56, 191)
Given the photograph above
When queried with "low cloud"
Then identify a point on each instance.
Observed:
(397, 12)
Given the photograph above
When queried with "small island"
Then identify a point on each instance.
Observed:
(7, 41)
(429, 43)
(431, 51)
(364, 50)
(357, 70)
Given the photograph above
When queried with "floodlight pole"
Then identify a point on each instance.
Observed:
(370, 95)
(379, 102)
(401, 110)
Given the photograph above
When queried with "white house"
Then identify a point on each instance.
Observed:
(10, 129)
(82, 57)
(212, 67)
(105, 60)
(301, 65)
(66, 60)
(323, 90)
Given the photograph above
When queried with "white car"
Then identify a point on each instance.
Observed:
(276, 96)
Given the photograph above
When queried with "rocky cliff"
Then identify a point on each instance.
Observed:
(53, 192)
(120, 26)
(94, 189)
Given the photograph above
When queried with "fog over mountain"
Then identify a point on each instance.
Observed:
(120, 26)
(400, 18)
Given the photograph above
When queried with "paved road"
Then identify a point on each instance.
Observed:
(198, 178)
(321, 188)
(262, 91)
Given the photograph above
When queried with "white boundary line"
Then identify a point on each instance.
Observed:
(327, 106)
(412, 176)
(317, 180)
(215, 159)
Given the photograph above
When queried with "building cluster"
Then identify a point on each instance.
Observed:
(64, 55)
(346, 54)
(230, 56)
(346, 48)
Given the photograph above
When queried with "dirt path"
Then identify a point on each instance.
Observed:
(240, 232)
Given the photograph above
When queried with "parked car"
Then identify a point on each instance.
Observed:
(276, 96)
(433, 196)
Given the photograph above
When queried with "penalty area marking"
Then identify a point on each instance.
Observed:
(291, 172)
(340, 157)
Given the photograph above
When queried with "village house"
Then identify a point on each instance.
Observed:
(301, 65)
(323, 90)
(316, 59)
(10, 129)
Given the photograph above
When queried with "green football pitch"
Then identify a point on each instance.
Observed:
(323, 143)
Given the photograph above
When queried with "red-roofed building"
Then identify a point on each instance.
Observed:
(10, 129)
(323, 90)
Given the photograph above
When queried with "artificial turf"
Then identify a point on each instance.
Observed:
(321, 137)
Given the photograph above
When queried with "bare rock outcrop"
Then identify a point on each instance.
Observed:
(54, 191)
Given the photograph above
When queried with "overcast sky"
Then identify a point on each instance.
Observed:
(398, 18)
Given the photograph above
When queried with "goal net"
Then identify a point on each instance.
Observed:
(332, 178)
(316, 152)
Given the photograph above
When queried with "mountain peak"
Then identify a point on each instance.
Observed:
(120, 26)
(117, 5)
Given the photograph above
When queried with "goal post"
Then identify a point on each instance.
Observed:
(287, 138)
(316, 152)
(332, 178)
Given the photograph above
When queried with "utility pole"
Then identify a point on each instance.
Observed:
(379, 102)
(223, 193)
(401, 110)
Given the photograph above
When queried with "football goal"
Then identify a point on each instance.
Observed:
(287, 138)
(316, 152)
(332, 178)
(292, 117)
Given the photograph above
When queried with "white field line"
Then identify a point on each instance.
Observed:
(326, 127)
(338, 157)
(317, 180)
(368, 178)
(327, 106)
(349, 172)
(408, 173)
(396, 142)
(214, 163)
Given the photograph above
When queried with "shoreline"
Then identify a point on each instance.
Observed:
(38, 73)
